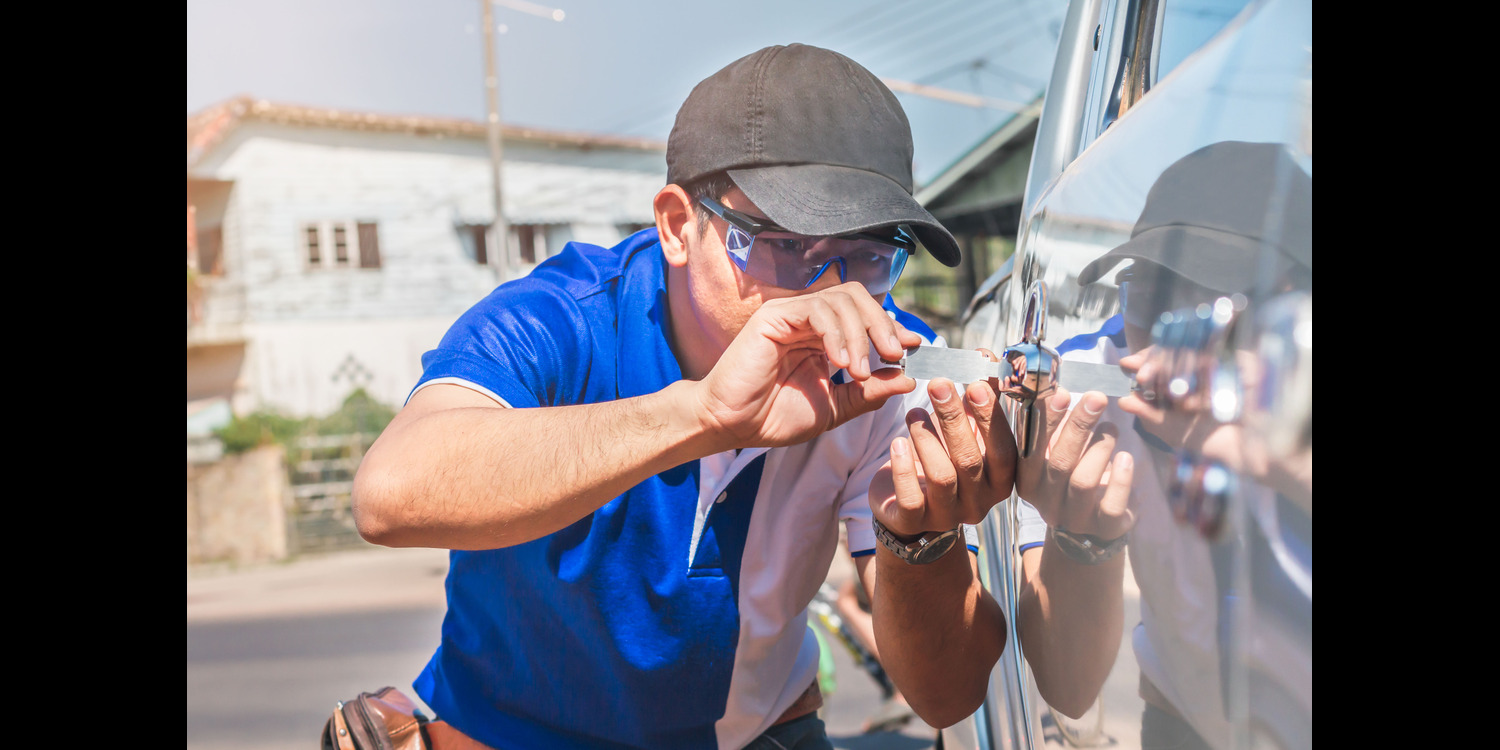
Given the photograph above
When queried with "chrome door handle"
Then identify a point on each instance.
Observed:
(1033, 370)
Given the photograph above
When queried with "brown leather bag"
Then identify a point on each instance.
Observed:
(383, 720)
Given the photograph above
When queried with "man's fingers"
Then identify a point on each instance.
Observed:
(1115, 515)
(994, 431)
(1095, 459)
(825, 321)
(889, 337)
(904, 508)
(958, 433)
(941, 478)
(861, 396)
(851, 322)
(1084, 484)
(1055, 411)
(1074, 434)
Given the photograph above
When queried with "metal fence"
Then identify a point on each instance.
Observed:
(321, 470)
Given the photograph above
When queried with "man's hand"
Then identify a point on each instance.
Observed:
(1074, 484)
(772, 385)
(951, 473)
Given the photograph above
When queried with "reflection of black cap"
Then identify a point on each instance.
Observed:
(819, 144)
(1216, 215)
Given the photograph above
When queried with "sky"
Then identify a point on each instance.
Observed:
(614, 66)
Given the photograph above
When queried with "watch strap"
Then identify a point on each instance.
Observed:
(1086, 549)
(925, 549)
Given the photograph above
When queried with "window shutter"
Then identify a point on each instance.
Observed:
(526, 234)
(369, 245)
(314, 257)
(481, 250)
(210, 251)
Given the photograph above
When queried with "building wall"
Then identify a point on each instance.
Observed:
(309, 367)
(301, 323)
(237, 508)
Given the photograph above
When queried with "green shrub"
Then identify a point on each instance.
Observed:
(257, 429)
(360, 412)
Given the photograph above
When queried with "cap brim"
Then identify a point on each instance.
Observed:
(823, 199)
(1219, 260)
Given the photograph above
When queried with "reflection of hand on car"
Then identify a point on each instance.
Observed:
(1235, 445)
(1079, 483)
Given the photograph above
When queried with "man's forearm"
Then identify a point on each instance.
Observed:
(939, 632)
(1070, 623)
(485, 477)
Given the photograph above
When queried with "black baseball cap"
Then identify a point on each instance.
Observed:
(814, 139)
(1227, 216)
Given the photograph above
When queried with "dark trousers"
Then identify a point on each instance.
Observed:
(806, 733)
(1163, 731)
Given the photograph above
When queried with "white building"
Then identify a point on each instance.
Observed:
(333, 248)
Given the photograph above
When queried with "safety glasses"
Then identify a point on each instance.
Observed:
(1146, 293)
(771, 254)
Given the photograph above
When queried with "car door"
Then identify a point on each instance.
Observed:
(1166, 233)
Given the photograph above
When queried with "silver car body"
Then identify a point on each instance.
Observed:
(1218, 589)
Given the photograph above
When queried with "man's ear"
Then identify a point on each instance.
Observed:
(676, 223)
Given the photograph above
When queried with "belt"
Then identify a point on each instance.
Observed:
(1153, 695)
(444, 736)
(810, 701)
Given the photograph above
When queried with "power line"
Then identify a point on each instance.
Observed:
(897, 32)
(985, 64)
(989, 48)
(862, 17)
(960, 40)
(904, 43)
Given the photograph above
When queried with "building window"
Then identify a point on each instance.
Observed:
(526, 242)
(531, 243)
(340, 245)
(314, 258)
(211, 251)
(475, 241)
(369, 245)
(320, 237)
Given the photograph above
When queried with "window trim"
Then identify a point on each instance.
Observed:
(326, 234)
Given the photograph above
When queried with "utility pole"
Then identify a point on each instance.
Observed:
(499, 255)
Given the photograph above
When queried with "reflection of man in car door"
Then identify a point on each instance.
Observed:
(1232, 220)
(1229, 219)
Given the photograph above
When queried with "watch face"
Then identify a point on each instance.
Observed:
(938, 547)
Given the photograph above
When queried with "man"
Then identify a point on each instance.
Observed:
(640, 455)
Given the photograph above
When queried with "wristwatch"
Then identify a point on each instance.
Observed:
(927, 548)
(1086, 549)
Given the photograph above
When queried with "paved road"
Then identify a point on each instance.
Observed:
(271, 648)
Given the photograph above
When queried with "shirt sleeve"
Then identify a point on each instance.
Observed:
(889, 423)
(1032, 530)
(526, 344)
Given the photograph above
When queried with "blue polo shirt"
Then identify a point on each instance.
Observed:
(625, 628)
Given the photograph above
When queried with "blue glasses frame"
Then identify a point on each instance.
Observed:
(744, 228)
